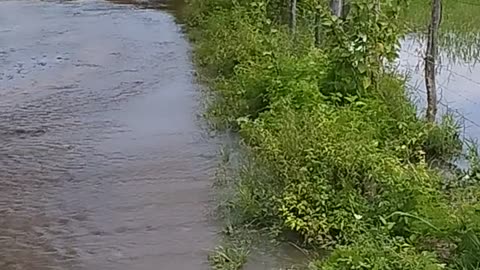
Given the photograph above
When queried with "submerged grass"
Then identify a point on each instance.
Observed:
(458, 16)
(460, 26)
(333, 151)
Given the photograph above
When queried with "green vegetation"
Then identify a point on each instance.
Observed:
(228, 258)
(335, 153)
(460, 27)
(459, 16)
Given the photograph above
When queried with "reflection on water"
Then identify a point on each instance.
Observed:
(102, 163)
(458, 84)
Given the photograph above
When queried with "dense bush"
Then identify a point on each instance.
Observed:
(346, 167)
(336, 176)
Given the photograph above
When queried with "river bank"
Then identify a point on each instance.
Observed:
(335, 152)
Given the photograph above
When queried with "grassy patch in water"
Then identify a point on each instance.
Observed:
(230, 257)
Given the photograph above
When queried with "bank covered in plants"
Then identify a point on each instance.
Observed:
(337, 153)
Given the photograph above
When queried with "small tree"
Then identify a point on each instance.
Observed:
(338, 8)
(359, 44)
(430, 56)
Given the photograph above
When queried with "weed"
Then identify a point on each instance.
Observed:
(228, 258)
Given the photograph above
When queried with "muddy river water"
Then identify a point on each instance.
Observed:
(104, 164)
(103, 161)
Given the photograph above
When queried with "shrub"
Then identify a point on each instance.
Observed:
(335, 175)
(379, 252)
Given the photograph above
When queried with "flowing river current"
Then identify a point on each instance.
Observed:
(103, 161)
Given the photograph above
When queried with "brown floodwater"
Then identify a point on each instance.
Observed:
(103, 161)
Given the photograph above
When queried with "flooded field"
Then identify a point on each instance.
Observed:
(103, 163)
(458, 84)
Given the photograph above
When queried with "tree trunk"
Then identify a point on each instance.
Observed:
(337, 7)
(430, 57)
(318, 29)
(293, 16)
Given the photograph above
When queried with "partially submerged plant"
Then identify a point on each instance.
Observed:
(228, 258)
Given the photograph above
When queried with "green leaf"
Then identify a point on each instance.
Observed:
(390, 225)
(327, 23)
(366, 82)
(384, 222)
(362, 68)
(358, 217)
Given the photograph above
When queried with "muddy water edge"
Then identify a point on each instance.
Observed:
(103, 161)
